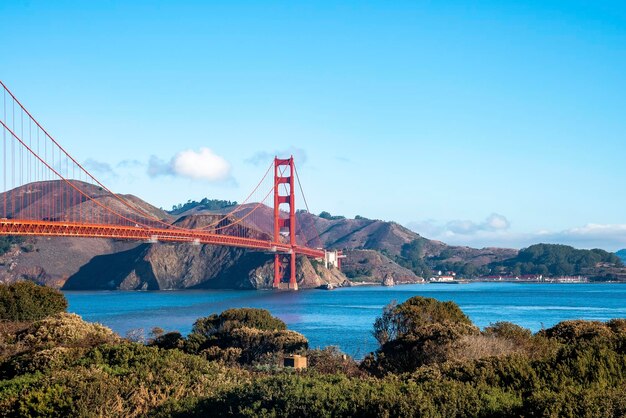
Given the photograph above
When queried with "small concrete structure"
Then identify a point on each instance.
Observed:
(296, 361)
(333, 258)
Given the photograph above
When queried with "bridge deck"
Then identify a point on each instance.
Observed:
(68, 229)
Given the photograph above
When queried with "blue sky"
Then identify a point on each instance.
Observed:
(473, 122)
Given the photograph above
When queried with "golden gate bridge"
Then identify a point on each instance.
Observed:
(47, 192)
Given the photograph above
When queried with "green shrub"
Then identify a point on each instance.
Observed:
(417, 332)
(508, 330)
(237, 318)
(331, 360)
(292, 395)
(410, 317)
(577, 330)
(24, 301)
(254, 332)
(169, 341)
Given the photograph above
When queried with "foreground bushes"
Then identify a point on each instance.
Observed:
(124, 380)
(432, 362)
(585, 378)
(23, 301)
(424, 331)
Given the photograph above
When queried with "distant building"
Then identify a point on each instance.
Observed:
(442, 279)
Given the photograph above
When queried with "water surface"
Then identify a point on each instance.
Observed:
(344, 317)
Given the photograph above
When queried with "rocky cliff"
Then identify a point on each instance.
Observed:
(187, 266)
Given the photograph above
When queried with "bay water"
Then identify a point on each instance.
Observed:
(344, 317)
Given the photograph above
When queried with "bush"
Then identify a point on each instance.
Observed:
(417, 332)
(331, 360)
(254, 332)
(508, 331)
(67, 330)
(397, 321)
(169, 341)
(124, 379)
(24, 301)
(577, 330)
(237, 318)
(294, 395)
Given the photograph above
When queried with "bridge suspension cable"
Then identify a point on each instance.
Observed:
(46, 191)
(306, 205)
(64, 154)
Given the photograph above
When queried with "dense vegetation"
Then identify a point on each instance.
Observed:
(549, 260)
(237, 336)
(431, 362)
(23, 301)
(327, 215)
(412, 257)
(204, 204)
(556, 260)
(622, 255)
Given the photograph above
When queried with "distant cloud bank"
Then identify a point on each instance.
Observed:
(263, 157)
(495, 231)
(98, 167)
(493, 223)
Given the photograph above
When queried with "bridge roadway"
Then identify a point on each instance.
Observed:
(69, 229)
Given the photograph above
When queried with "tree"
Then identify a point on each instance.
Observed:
(25, 301)
(417, 332)
(325, 215)
(252, 333)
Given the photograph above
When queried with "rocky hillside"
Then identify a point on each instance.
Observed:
(45, 199)
(187, 266)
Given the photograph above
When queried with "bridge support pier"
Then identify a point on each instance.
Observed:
(282, 262)
(293, 283)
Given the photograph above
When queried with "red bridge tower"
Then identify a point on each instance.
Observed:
(284, 194)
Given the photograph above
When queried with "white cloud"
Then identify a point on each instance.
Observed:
(496, 222)
(203, 164)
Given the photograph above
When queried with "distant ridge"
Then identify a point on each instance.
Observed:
(622, 254)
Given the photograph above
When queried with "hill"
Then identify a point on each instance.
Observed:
(622, 255)
(561, 260)
(50, 196)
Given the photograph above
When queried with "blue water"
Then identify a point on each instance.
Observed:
(344, 317)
